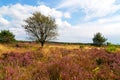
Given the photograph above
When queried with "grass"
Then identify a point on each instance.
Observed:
(27, 61)
(111, 49)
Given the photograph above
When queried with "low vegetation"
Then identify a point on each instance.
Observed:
(58, 62)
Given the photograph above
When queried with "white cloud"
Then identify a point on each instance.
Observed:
(3, 22)
(17, 13)
(40, 2)
(82, 32)
(93, 8)
(49, 11)
(19, 32)
(67, 15)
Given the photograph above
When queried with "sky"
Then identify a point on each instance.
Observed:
(77, 20)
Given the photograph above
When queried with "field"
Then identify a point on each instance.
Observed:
(28, 61)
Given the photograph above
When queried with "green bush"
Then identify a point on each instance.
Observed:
(109, 44)
(111, 49)
(6, 36)
(98, 39)
(99, 61)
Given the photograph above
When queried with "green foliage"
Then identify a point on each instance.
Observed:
(96, 70)
(41, 28)
(109, 44)
(6, 36)
(82, 46)
(111, 49)
(99, 61)
(98, 39)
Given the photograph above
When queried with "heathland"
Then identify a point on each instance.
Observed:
(28, 61)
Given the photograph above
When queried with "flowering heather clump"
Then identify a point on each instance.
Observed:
(53, 70)
(109, 65)
(11, 73)
(18, 59)
(39, 72)
(65, 69)
(71, 70)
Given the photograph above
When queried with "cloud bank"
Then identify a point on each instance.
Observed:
(105, 12)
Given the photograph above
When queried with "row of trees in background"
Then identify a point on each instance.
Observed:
(43, 28)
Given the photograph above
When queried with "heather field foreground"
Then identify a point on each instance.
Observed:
(27, 61)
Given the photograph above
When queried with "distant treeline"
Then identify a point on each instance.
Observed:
(52, 42)
(64, 43)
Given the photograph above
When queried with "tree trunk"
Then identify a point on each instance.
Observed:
(42, 44)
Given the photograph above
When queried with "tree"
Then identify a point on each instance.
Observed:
(41, 28)
(98, 39)
(6, 36)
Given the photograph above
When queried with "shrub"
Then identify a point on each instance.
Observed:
(17, 59)
(109, 44)
(111, 49)
(99, 61)
(6, 36)
(98, 39)
(82, 46)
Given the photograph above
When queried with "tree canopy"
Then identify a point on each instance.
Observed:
(41, 28)
(6, 36)
(98, 39)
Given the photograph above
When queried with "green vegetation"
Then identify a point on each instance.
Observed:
(111, 49)
(98, 39)
(6, 36)
(41, 28)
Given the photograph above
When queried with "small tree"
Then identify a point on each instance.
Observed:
(41, 28)
(6, 36)
(98, 39)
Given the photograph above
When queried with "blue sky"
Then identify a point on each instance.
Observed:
(77, 20)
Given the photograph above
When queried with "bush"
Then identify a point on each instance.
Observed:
(6, 36)
(111, 49)
(109, 44)
(98, 39)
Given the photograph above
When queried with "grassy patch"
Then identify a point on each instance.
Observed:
(111, 49)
